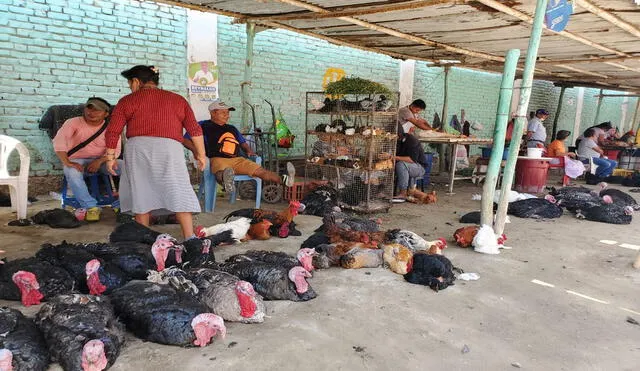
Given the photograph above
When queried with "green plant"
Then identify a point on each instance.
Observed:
(356, 85)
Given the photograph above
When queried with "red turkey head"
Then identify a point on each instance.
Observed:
(551, 199)
(205, 326)
(6, 358)
(2, 252)
(607, 199)
(93, 278)
(206, 246)
(246, 298)
(178, 249)
(29, 287)
(93, 357)
(200, 232)
(298, 276)
(305, 257)
(160, 250)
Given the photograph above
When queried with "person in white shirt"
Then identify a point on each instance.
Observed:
(589, 149)
(536, 132)
(205, 74)
(409, 114)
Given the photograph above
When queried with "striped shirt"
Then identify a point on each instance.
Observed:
(152, 113)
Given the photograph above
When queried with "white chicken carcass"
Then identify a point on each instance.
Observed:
(512, 197)
(238, 228)
(407, 238)
(487, 242)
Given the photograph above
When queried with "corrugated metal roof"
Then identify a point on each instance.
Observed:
(474, 33)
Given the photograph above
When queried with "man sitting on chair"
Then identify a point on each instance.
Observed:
(223, 141)
(80, 146)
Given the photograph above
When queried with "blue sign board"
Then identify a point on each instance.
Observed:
(557, 15)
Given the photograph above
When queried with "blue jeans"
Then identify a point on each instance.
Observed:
(75, 180)
(605, 166)
(407, 173)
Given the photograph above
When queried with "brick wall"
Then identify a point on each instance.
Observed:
(62, 52)
(475, 92)
(286, 66)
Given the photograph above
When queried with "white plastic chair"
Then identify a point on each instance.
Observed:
(18, 185)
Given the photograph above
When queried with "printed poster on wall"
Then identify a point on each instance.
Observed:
(202, 64)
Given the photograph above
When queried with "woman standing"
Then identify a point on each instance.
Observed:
(154, 174)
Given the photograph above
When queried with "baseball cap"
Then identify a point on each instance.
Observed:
(542, 111)
(220, 105)
(98, 103)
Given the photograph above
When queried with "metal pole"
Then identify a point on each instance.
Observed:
(521, 115)
(600, 99)
(555, 119)
(442, 151)
(499, 133)
(245, 87)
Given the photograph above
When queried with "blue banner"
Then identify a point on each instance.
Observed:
(557, 15)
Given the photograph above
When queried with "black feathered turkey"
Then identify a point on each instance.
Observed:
(21, 343)
(81, 331)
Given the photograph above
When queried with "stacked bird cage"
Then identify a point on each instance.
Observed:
(350, 142)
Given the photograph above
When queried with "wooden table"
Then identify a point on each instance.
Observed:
(454, 143)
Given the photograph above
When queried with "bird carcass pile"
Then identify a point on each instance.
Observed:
(354, 243)
(160, 289)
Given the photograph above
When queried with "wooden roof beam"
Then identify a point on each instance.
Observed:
(341, 42)
(527, 18)
(609, 17)
(396, 33)
(352, 12)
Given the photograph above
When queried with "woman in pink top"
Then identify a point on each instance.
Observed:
(90, 158)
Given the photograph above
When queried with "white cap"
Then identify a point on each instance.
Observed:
(220, 105)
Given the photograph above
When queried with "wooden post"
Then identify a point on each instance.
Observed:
(245, 86)
(443, 147)
(557, 113)
(499, 134)
(635, 125)
(600, 99)
(521, 114)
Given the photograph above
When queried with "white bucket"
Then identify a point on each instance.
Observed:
(534, 152)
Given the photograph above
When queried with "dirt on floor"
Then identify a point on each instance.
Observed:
(573, 318)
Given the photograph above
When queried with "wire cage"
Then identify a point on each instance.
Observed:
(350, 143)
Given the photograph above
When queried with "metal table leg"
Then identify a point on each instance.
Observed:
(452, 173)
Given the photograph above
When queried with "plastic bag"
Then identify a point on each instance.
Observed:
(283, 134)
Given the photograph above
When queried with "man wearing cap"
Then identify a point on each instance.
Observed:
(80, 145)
(222, 143)
(536, 132)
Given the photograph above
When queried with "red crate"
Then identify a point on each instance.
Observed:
(300, 189)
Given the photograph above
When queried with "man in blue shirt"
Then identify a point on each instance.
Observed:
(223, 142)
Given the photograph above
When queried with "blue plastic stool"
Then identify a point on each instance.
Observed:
(424, 182)
(209, 186)
(94, 189)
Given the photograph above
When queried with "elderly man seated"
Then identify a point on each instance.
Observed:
(80, 146)
(223, 143)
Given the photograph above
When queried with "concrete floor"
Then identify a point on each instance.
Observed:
(371, 319)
